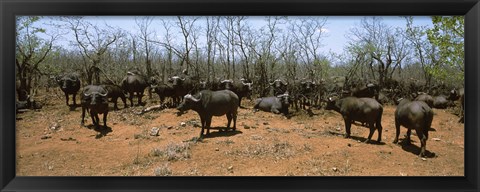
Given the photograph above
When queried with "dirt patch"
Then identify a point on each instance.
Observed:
(51, 142)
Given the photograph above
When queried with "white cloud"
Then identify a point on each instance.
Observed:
(324, 30)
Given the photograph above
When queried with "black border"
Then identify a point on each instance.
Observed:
(10, 8)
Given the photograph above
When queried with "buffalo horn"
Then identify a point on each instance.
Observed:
(103, 95)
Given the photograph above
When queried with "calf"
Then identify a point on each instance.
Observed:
(114, 92)
(94, 98)
(212, 103)
(414, 115)
(163, 91)
(277, 105)
(365, 110)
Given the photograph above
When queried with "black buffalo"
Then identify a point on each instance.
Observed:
(307, 93)
(414, 115)
(459, 94)
(94, 99)
(428, 99)
(114, 92)
(365, 110)
(212, 103)
(242, 88)
(181, 87)
(278, 104)
(279, 87)
(69, 84)
(163, 91)
(134, 83)
(441, 102)
(369, 90)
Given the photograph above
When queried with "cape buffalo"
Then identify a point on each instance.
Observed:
(365, 110)
(277, 105)
(134, 83)
(414, 115)
(69, 84)
(212, 103)
(94, 98)
(114, 92)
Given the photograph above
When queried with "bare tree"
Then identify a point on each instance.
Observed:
(94, 42)
(425, 52)
(308, 33)
(187, 27)
(143, 24)
(385, 45)
(31, 51)
(243, 37)
(211, 34)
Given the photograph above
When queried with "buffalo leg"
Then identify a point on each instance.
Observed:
(105, 119)
(202, 120)
(234, 121)
(372, 129)
(66, 98)
(379, 128)
(115, 107)
(275, 110)
(397, 131)
(82, 123)
(409, 132)
(93, 117)
(74, 99)
(229, 120)
(348, 125)
(208, 123)
(423, 141)
(139, 95)
(130, 97)
(124, 102)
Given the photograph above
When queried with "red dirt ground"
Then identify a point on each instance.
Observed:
(51, 142)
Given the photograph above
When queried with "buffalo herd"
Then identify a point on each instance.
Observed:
(354, 100)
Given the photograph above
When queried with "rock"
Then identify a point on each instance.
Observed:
(230, 168)
(335, 169)
(436, 139)
(423, 158)
(154, 131)
(246, 127)
(217, 149)
(266, 123)
(55, 126)
(46, 137)
(349, 145)
(183, 124)
(69, 139)
(170, 127)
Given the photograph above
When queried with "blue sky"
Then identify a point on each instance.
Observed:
(335, 29)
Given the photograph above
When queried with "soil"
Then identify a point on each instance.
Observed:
(51, 142)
